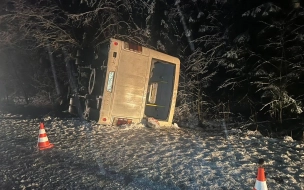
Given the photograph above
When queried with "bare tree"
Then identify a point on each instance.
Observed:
(204, 21)
(69, 25)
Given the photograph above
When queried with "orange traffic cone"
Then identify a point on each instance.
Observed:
(43, 141)
(260, 183)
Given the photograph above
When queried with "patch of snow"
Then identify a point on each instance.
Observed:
(90, 156)
(151, 7)
(265, 14)
(203, 28)
(253, 133)
(175, 125)
(265, 9)
(160, 46)
(288, 139)
(231, 55)
(163, 22)
(244, 37)
(188, 33)
(191, 20)
(200, 14)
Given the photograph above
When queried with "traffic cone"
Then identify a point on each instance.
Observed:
(260, 183)
(43, 141)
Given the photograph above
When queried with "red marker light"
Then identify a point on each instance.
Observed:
(115, 43)
(104, 119)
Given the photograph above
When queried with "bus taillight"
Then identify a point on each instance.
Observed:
(123, 121)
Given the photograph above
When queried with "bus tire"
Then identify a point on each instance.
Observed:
(92, 81)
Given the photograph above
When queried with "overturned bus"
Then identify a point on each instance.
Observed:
(128, 84)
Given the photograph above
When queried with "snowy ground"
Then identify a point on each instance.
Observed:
(89, 156)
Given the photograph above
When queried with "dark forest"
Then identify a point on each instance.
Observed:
(241, 61)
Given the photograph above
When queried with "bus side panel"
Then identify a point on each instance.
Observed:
(130, 85)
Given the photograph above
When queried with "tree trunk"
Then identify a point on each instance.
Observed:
(21, 83)
(187, 31)
(53, 70)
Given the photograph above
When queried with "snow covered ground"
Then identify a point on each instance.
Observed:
(89, 156)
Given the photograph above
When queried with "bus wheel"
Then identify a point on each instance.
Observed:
(92, 81)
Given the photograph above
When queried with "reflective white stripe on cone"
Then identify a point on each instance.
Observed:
(260, 183)
(43, 141)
